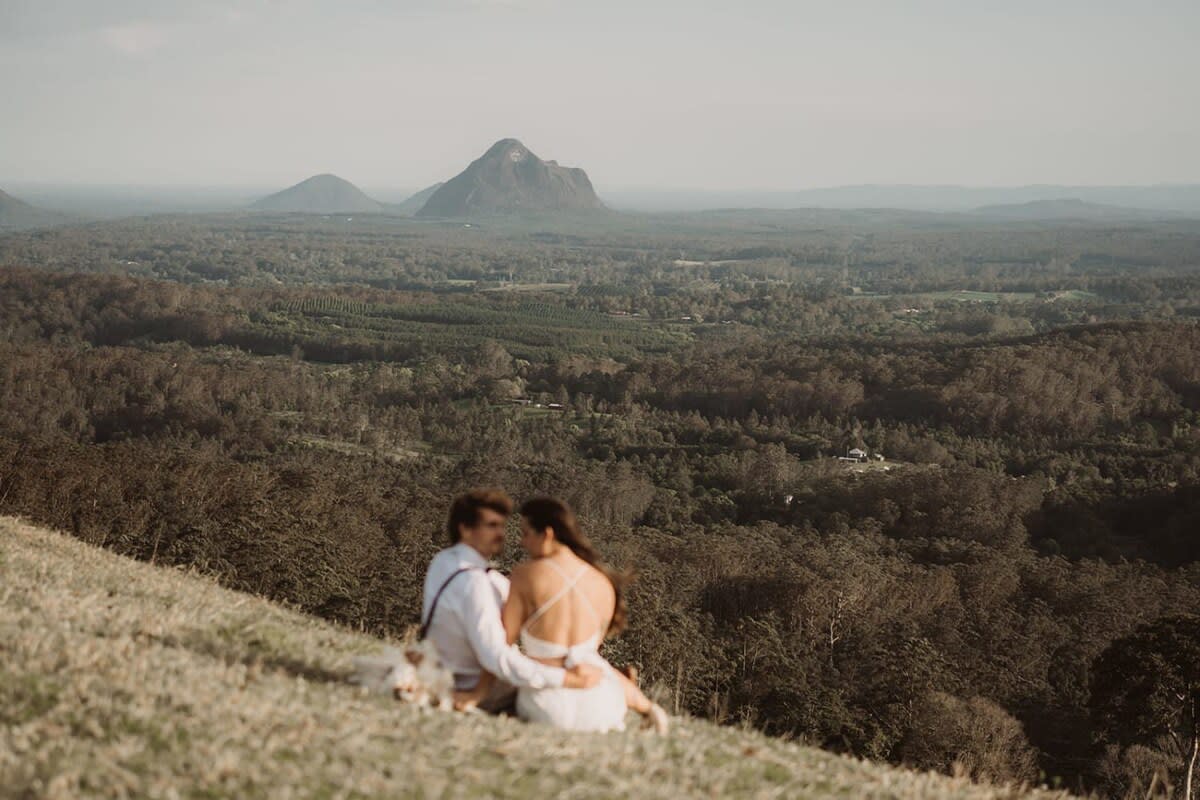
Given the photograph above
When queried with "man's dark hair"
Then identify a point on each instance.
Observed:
(465, 509)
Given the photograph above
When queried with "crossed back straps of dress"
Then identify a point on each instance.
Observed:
(570, 584)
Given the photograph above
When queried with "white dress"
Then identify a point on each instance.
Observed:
(600, 708)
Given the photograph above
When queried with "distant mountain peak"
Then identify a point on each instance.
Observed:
(509, 177)
(321, 194)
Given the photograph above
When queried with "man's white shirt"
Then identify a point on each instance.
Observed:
(467, 630)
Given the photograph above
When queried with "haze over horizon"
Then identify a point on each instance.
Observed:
(769, 96)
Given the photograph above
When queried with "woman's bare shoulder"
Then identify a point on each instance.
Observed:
(523, 573)
(535, 572)
(600, 581)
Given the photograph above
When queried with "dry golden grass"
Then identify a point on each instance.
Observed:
(121, 679)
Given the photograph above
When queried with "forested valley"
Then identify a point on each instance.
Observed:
(909, 486)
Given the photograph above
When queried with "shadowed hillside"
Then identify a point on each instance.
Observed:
(124, 679)
(415, 202)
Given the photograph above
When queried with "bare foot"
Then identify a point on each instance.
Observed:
(466, 701)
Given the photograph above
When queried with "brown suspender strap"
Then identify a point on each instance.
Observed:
(433, 606)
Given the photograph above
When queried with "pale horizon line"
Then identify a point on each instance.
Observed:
(616, 188)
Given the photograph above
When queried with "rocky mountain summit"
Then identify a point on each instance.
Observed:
(510, 178)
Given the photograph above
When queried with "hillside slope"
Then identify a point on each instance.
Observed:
(416, 202)
(18, 215)
(119, 678)
(320, 194)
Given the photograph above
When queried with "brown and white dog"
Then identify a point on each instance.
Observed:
(412, 673)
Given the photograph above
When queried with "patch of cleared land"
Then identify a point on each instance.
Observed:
(971, 296)
(393, 453)
(1076, 295)
(860, 467)
(122, 679)
(531, 287)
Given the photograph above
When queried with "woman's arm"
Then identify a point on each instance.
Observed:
(516, 608)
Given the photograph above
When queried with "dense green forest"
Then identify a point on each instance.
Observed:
(289, 403)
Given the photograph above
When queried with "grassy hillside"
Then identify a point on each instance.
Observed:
(121, 679)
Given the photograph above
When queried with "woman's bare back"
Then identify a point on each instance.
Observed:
(541, 603)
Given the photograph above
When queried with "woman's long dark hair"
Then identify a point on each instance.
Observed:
(546, 512)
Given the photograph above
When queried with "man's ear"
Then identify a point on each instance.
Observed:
(548, 532)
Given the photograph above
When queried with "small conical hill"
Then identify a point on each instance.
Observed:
(320, 194)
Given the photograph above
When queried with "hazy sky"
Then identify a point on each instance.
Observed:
(755, 94)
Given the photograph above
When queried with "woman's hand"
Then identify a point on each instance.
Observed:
(582, 676)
